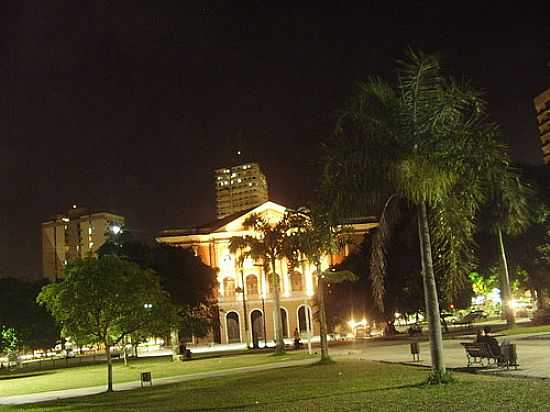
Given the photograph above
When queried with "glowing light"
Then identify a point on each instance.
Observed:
(65, 219)
(116, 229)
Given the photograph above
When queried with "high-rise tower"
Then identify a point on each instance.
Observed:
(239, 188)
(542, 105)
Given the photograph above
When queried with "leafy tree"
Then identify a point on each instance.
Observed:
(270, 245)
(509, 213)
(33, 325)
(8, 340)
(108, 298)
(315, 237)
(188, 280)
(426, 142)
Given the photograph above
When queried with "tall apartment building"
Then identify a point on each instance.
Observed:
(239, 188)
(76, 234)
(542, 105)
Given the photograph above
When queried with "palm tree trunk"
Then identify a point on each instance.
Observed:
(430, 295)
(322, 315)
(505, 291)
(109, 367)
(279, 342)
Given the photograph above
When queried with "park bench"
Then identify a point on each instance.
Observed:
(477, 353)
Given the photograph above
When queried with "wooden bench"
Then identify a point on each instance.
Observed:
(478, 352)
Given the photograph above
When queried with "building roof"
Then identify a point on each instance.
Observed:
(212, 226)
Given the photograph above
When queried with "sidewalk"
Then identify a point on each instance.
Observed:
(126, 386)
(533, 355)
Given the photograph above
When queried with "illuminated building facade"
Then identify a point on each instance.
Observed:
(297, 287)
(239, 188)
(76, 234)
(542, 106)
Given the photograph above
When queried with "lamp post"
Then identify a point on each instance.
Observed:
(263, 303)
(242, 290)
(306, 308)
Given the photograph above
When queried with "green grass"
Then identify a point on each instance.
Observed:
(518, 330)
(18, 383)
(342, 386)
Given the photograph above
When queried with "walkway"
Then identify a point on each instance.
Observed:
(126, 386)
(533, 354)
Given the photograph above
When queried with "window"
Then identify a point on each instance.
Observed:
(252, 285)
(228, 287)
(297, 282)
(270, 279)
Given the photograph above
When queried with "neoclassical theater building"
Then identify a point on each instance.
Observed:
(245, 295)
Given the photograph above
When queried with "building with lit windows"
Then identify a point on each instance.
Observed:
(239, 188)
(253, 319)
(542, 106)
(76, 234)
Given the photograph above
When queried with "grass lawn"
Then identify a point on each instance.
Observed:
(518, 330)
(17, 383)
(342, 386)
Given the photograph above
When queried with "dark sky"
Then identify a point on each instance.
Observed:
(129, 106)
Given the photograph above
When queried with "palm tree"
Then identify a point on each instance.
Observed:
(268, 246)
(312, 235)
(424, 142)
(509, 214)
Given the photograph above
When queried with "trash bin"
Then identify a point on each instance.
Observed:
(415, 351)
(510, 355)
(146, 377)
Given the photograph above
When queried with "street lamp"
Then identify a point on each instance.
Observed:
(263, 303)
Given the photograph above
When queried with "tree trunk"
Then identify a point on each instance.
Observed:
(109, 367)
(279, 342)
(505, 291)
(322, 314)
(430, 294)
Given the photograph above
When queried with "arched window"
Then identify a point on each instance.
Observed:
(228, 287)
(251, 285)
(297, 282)
(270, 279)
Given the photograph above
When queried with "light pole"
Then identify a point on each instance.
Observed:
(306, 308)
(242, 291)
(263, 303)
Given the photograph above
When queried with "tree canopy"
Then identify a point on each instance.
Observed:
(108, 299)
(188, 280)
(31, 324)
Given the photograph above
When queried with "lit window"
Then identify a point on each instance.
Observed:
(91, 245)
(89, 230)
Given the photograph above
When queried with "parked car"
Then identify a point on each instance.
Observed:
(474, 316)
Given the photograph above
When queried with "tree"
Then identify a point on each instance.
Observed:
(269, 246)
(33, 325)
(426, 142)
(509, 213)
(188, 280)
(314, 236)
(108, 298)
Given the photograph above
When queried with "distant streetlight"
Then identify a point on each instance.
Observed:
(116, 229)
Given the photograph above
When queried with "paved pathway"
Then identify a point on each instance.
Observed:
(74, 393)
(533, 354)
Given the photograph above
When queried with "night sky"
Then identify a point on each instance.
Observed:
(129, 106)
